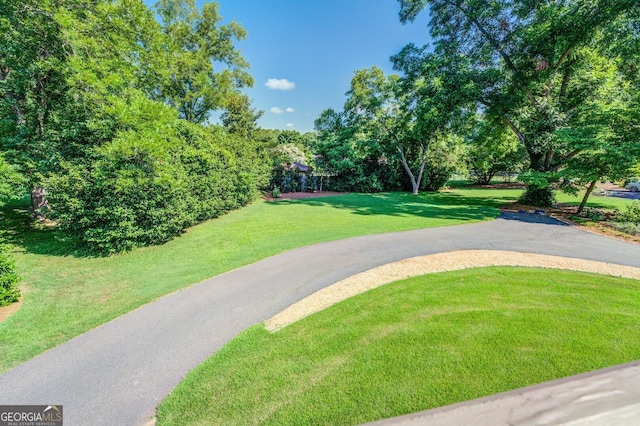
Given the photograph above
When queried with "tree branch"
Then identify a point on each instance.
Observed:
(496, 45)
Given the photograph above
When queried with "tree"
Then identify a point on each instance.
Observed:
(193, 43)
(492, 148)
(239, 118)
(84, 115)
(611, 147)
(529, 64)
(32, 87)
(378, 105)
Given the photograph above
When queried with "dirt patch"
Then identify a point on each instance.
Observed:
(441, 262)
(7, 311)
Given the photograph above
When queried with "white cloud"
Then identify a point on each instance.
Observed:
(290, 125)
(290, 110)
(276, 110)
(280, 84)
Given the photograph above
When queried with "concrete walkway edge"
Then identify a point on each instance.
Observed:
(610, 396)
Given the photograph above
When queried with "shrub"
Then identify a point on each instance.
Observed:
(147, 185)
(626, 227)
(631, 215)
(9, 292)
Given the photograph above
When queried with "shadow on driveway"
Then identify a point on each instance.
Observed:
(531, 218)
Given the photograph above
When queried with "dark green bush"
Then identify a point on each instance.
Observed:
(9, 292)
(147, 185)
(631, 214)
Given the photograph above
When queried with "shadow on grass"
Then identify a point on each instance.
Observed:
(427, 205)
(37, 238)
(20, 230)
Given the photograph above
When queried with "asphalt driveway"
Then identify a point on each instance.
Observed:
(118, 373)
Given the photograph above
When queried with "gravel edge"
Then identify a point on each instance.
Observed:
(441, 262)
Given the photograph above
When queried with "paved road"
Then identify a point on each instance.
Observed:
(119, 372)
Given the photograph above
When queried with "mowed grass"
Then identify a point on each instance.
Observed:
(412, 345)
(464, 188)
(66, 293)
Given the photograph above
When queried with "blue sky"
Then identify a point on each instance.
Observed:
(316, 45)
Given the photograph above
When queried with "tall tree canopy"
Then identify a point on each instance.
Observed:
(531, 63)
(102, 105)
(194, 42)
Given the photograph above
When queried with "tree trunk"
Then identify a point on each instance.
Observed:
(586, 196)
(415, 185)
(38, 203)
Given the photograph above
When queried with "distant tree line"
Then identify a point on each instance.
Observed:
(549, 90)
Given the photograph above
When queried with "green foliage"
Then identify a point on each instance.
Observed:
(551, 71)
(631, 214)
(354, 163)
(239, 118)
(193, 42)
(493, 149)
(11, 182)
(443, 158)
(626, 227)
(32, 84)
(9, 292)
(147, 185)
(253, 160)
(539, 191)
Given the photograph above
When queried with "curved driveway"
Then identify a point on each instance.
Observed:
(118, 373)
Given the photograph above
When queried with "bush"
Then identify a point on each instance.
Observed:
(147, 185)
(631, 215)
(626, 227)
(9, 292)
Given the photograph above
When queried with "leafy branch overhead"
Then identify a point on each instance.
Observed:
(540, 67)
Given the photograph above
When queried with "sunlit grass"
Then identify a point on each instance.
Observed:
(413, 345)
(66, 293)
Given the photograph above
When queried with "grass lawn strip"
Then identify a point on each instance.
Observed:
(416, 344)
(440, 262)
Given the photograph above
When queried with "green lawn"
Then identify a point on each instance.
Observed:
(66, 293)
(464, 188)
(413, 345)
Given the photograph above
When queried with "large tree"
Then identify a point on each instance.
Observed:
(194, 44)
(32, 86)
(529, 62)
(239, 117)
(380, 107)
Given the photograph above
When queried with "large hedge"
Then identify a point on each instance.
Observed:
(9, 292)
(152, 181)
